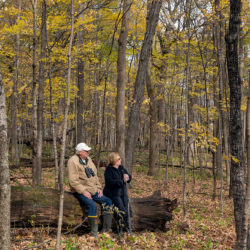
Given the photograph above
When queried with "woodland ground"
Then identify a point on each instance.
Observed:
(207, 228)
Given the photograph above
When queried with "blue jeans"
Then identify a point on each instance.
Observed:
(104, 201)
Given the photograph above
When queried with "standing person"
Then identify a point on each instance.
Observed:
(116, 177)
(86, 187)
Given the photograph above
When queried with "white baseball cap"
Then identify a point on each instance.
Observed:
(82, 146)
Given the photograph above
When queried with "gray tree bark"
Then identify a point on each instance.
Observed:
(153, 137)
(34, 88)
(4, 175)
(219, 38)
(121, 82)
(235, 126)
(246, 239)
(62, 158)
(134, 113)
(80, 83)
(37, 177)
(14, 148)
(52, 113)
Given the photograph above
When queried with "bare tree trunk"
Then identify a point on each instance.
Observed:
(219, 38)
(153, 137)
(237, 161)
(80, 82)
(121, 82)
(14, 148)
(5, 175)
(247, 199)
(37, 177)
(134, 113)
(62, 163)
(34, 90)
(102, 115)
(53, 125)
(186, 104)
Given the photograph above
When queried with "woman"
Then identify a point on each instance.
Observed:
(116, 177)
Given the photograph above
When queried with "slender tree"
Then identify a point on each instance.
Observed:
(14, 148)
(37, 177)
(52, 113)
(34, 90)
(121, 81)
(247, 199)
(80, 80)
(4, 175)
(62, 156)
(153, 115)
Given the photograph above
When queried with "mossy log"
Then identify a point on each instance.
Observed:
(39, 206)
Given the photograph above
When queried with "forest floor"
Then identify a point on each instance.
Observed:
(209, 224)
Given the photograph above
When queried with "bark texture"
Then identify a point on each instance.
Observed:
(39, 206)
(134, 113)
(4, 175)
(80, 82)
(235, 125)
(37, 173)
(121, 82)
(153, 114)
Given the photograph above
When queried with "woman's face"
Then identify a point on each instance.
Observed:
(118, 160)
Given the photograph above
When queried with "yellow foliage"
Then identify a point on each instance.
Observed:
(225, 157)
(20, 90)
(236, 160)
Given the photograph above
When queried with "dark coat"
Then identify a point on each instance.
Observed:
(115, 188)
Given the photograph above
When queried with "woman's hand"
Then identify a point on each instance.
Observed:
(100, 194)
(125, 177)
(87, 195)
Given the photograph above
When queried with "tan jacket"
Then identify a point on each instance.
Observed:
(78, 180)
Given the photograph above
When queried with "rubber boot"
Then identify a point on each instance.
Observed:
(107, 222)
(93, 226)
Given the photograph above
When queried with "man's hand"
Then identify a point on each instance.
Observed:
(125, 177)
(100, 194)
(87, 195)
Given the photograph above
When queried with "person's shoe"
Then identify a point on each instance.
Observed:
(93, 226)
(120, 232)
(107, 222)
(129, 226)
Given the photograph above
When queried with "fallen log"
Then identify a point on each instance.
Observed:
(39, 206)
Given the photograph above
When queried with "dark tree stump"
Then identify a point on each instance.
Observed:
(39, 206)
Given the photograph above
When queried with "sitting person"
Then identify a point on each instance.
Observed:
(116, 177)
(86, 187)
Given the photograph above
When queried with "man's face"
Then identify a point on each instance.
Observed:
(84, 154)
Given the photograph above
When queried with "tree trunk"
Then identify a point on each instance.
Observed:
(235, 126)
(153, 137)
(62, 160)
(121, 82)
(246, 238)
(14, 148)
(134, 113)
(5, 175)
(220, 44)
(37, 177)
(34, 91)
(149, 213)
(80, 82)
(186, 105)
(52, 113)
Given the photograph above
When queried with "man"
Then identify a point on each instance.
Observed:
(86, 187)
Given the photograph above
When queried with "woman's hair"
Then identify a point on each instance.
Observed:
(113, 158)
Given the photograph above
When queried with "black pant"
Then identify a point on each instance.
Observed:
(123, 204)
